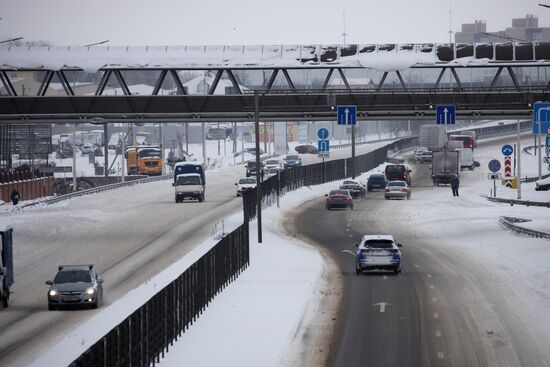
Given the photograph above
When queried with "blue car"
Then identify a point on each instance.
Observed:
(292, 161)
(378, 252)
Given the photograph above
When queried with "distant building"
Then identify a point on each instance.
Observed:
(522, 29)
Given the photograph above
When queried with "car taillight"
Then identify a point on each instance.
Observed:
(387, 190)
(404, 190)
(329, 198)
(405, 175)
(348, 198)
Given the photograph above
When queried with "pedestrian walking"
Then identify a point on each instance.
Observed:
(454, 185)
(15, 196)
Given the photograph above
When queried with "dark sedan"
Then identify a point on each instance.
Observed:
(339, 199)
(292, 161)
(377, 181)
(306, 149)
(355, 190)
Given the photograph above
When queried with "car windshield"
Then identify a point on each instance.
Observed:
(247, 181)
(397, 183)
(252, 164)
(149, 153)
(292, 157)
(272, 162)
(379, 243)
(395, 168)
(73, 276)
(189, 180)
(338, 192)
(376, 177)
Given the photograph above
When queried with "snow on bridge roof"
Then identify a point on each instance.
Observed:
(384, 57)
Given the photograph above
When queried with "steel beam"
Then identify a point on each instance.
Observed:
(177, 80)
(7, 84)
(439, 78)
(344, 79)
(64, 82)
(272, 79)
(513, 76)
(103, 82)
(458, 82)
(327, 79)
(159, 82)
(288, 80)
(45, 83)
(381, 83)
(122, 82)
(234, 81)
(215, 82)
(495, 79)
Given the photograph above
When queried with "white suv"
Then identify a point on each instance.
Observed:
(379, 252)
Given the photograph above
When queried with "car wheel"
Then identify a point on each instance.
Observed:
(94, 305)
(51, 307)
(328, 207)
(351, 207)
(396, 271)
(357, 271)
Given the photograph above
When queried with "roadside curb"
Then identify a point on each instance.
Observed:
(511, 223)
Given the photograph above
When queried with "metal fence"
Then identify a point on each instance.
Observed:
(318, 173)
(144, 336)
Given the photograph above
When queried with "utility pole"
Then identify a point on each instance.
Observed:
(123, 154)
(203, 146)
(74, 157)
(352, 151)
(106, 151)
(518, 154)
(258, 173)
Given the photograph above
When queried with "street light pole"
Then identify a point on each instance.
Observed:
(258, 173)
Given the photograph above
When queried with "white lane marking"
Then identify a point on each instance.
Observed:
(434, 299)
(385, 277)
(382, 306)
(350, 235)
(347, 229)
(417, 266)
(348, 252)
(429, 275)
(436, 315)
(432, 287)
(348, 225)
(440, 355)
(438, 334)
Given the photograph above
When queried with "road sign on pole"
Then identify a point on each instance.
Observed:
(541, 117)
(445, 115)
(507, 150)
(347, 115)
(494, 165)
(323, 146)
(322, 134)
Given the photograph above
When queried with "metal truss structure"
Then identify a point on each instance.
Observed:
(504, 87)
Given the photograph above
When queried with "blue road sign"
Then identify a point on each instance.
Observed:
(322, 134)
(494, 165)
(445, 115)
(507, 150)
(548, 141)
(541, 116)
(347, 115)
(323, 145)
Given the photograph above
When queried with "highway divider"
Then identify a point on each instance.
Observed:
(512, 202)
(144, 336)
(318, 173)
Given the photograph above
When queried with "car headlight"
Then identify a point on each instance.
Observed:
(53, 292)
(90, 291)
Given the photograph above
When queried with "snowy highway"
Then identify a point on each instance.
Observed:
(129, 234)
(464, 297)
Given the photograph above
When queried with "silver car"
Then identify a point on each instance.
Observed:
(397, 189)
(75, 285)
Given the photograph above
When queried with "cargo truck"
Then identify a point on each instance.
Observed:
(466, 158)
(189, 181)
(6, 264)
(432, 136)
(445, 166)
(144, 160)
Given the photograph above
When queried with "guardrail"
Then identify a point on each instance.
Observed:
(513, 202)
(144, 336)
(510, 222)
(98, 189)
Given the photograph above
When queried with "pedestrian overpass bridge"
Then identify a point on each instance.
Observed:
(300, 82)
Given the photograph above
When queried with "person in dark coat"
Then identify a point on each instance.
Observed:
(454, 185)
(15, 196)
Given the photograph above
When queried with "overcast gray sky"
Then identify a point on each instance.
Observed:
(235, 22)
